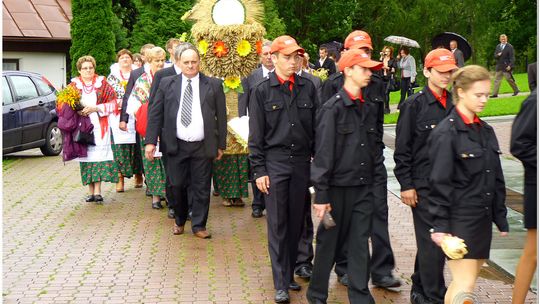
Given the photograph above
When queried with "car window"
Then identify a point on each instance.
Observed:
(44, 88)
(24, 87)
(7, 98)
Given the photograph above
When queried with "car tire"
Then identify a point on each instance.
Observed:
(53, 140)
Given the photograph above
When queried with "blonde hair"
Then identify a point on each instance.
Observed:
(154, 53)
(84, 59)
(465, 77)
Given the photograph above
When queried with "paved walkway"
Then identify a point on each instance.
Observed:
(59, 249)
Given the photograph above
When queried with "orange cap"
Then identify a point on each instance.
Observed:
(286, 45)
(357, 40)
(441, 60)
(358, 57)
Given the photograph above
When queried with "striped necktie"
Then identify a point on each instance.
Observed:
(185, 115)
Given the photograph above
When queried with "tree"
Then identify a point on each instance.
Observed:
(159, 20)
(92, 33)
(273, 23)
(125, 14)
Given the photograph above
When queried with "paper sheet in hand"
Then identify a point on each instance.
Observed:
(240, 128)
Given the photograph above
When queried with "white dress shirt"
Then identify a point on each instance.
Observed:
(195, 130)
(178, 70)
(265, 71)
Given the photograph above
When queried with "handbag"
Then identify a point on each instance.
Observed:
(141, 119)
(393, 84)
(84, 138)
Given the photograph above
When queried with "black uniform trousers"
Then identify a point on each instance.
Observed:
(352, 209)
(285, 207)
(194, 171)
(258, 198)
(382, 256)
(305, 246)
(428, 277)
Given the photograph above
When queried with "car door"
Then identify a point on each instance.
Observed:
(34, 110)
(11, 118)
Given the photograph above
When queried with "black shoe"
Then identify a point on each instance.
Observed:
(170, 213)
(515, 93)
(304, 272)
(294, 286)
(344, 280)
(157, 205)
(90, 198)
(147, 192)
(257, 213)
(386, 282)
(282, 296)
(493, 96)
(189, 216)
(98, 199)
(386, 111)
(417, 298)
(314, 301)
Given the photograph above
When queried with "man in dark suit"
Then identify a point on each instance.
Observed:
(531, 75)
(325, 62)
(188, 115)
(174, 69)
(458, 54)
(504, 54)
(248, 83)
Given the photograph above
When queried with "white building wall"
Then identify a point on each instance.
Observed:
(50, 65)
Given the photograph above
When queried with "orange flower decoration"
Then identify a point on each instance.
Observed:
(220, 49)
(259, 47)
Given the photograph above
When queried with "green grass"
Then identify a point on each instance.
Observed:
(494, 107)
(521, 81)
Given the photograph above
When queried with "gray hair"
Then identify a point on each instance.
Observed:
(182, 47)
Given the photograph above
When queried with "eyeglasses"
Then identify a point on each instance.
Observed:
(87, 69)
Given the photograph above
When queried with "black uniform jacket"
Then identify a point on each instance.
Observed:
(281, 122)
(466, 175)
(346, 144)
(375, 92)
(524, 137)
(419, 115)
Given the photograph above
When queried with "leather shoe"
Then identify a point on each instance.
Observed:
(170, 213)
(203, 234)
(386, 282)
(294, 286)
(419, 298)
(90, 198)
(304, 272)
(98, 199)
(515, 93)
(493, 96)
(344, 279)
(177, 230)
(257, 213)
(157, 205)
(282, 296)
(314, 301)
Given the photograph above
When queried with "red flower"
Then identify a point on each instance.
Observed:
(220, 49)
(259, 47)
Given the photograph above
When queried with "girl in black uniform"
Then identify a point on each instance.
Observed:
(467, 184)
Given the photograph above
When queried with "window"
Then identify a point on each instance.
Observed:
(24, 87)
(43, 87)
(10, 64)
(7, 98)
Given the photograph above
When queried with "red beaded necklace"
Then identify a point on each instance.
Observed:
(122, 75)
(87, 89)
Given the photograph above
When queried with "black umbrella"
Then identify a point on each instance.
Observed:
(445, 38)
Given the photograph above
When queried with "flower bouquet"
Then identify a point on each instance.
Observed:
(321, 73)
(70, 96)
(454, 247)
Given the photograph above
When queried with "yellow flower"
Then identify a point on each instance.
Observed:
(232, 82)
(203, 47)
(243, 48)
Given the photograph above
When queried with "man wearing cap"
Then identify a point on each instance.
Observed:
(419, 115)
(342, 173)
(382, 258)
(282, 111)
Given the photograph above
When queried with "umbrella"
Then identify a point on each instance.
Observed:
(445, 38)
(402, 40)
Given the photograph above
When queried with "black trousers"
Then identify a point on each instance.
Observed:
(352, 209)
(258, 198)
(305, 246)
(285, 207)
(190, 167)
(382, 256)
(428, 278)
(405, 89)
